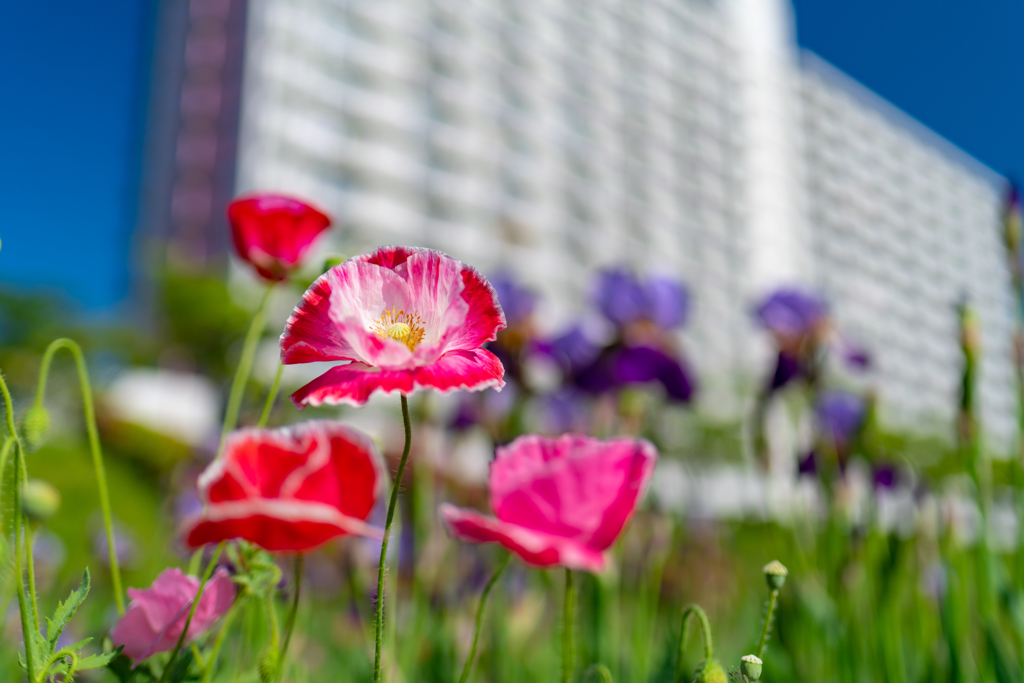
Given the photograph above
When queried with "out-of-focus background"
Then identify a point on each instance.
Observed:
(860, 150)
(857, 147)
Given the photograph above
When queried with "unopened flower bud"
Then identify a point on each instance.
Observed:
(270, 665)
(40, 500)
(750, 665)
(775, 573)
(711, 672)
(36, 425)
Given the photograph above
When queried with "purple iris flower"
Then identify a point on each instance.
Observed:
(791, 312)
(563, 411)
(885, 476)
(623, 298)
(573, 350)
(787, 368)
(620, 366)
(840, 414)
(517, 301)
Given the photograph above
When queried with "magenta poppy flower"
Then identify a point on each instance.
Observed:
(156, 615)
(559, 501)
(289, 489)
(274, 233)
(406, 318)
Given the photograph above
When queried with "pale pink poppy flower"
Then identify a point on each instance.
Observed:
(407, 319)
(156, 615)
(560, 501)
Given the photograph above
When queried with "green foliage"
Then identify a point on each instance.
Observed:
(66, 661)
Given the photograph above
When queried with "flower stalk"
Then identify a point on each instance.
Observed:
(245, 362)
(392, 504)
(289, 627)
(191, 613)
(705, 630)
(94, 446)
(480, 615)
(568, 619)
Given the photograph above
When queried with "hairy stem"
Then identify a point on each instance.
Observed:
(289, 624)
(218, 642)
(568, 620)
(767, 622)
(252, 338)
(705, 629)
(23, 606)
(480, 617)
(191, 613)
(392, 504)
(272, 396)
(94, 447)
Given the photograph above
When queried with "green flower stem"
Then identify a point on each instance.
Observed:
(705, 630)
(271, 613)
(767, 622)
(392, 504)
(191, 613)
(26, 627)
(30, 567)
(289, 626)
(5, 452)
(568, 620)
(272, 396)
(252, 338)
(480, 616)
(598, 671)
(19, 455)
(94, 447)
(218, 642)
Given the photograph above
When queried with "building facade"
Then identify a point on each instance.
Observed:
(689, 137)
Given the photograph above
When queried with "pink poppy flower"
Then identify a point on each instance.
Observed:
(406, 318)
(559, 501)
(274, 233)
(289, 489)
(156, 615)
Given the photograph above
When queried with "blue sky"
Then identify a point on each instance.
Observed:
(74, 73)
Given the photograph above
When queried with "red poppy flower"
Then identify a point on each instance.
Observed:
(289, 489)
(274, 233)
(559, 501)
(406, 318)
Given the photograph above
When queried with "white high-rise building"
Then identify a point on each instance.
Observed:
(553, 137)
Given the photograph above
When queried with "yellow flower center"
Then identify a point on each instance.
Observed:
(400, 326)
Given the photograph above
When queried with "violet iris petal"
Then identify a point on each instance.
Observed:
(620, 297)
(641, 364)
(807, 465)
(791, 312)
(668, 302)
(623, 299)
(787, 368)
(841, 414)
(517, 301)
(885, 476)
(573, 350)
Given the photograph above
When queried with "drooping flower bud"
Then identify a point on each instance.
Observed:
(270, 665)
(710, 671)
(775, 573)
(40, 500)
(750, 665)
(36, 425)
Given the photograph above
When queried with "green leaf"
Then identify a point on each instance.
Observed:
(66, 610)
(96, 661)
